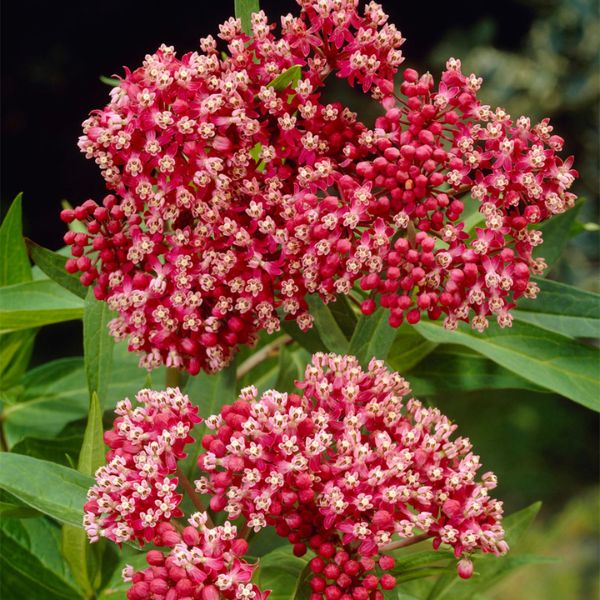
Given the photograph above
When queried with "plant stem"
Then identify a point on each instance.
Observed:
(264, 353)
(403, 543)
(173, 377)
(191, 492)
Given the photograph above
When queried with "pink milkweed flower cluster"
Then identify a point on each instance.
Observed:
(237, 191)
(133, 492)
(351, 468)
(203, 563)
(215, 221)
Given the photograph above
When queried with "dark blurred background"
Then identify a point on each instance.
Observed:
(537, 57)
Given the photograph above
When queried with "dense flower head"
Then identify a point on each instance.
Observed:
(236, 190)
(203, 563)
(215, 222)
(353, 464)
(436, 145)
(133, 493)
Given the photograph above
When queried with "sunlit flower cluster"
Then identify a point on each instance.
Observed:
(353, 464)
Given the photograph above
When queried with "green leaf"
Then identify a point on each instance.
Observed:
(344, 315)
(284, 574)
(111, 81)
(52, 489)
(53, 264)
(31, 564)
(292, 364)
(116, 588)
(453, 368)
(422, 558)
(326, 325)
(54, 394)
(37, 303)
(244, 10)
(544, 358)
(51, 396)
(310, 340)
(14, 262)
(93, 451)
(98, 345)
(563, 309)
(373, 337)
(15, 352)
(210, 393)
(63, 450)
(85, 561)
(10, 506)
(408, 349)
(555, 233)
(289, 78)
(75, 549)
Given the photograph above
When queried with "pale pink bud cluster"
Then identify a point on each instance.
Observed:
(203, 563)
(133, 493)
(353, 464)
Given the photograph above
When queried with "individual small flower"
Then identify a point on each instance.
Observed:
(353, 464)
(203, 563)
(133, 494)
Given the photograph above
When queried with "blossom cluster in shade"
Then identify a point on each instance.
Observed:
(203, 563)
(236, 190)
(352, 464)
(134, 492)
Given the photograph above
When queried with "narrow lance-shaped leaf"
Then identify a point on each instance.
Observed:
(408, 349)
(284, 574)
(373, 337)
(37, 303)
(14, 262)
(326, 325)
(555, 232)
(52, 489)
(552, 361)
(98, 346)
(561, 308)
(53, 264)
(244, 10)
(458, 369)
(289, 78)
(75, 545)
(31, 564)
(15, 351)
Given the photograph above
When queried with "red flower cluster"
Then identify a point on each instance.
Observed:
(203, 564)
(216, 223)
(237, 191)
(435, 146)
(133, 492)
(350, 470)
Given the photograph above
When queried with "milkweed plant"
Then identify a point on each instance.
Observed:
(273, 268)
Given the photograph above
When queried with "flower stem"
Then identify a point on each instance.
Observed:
(264, 353)
(403, 543)
(173, 377)
(193, 496)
